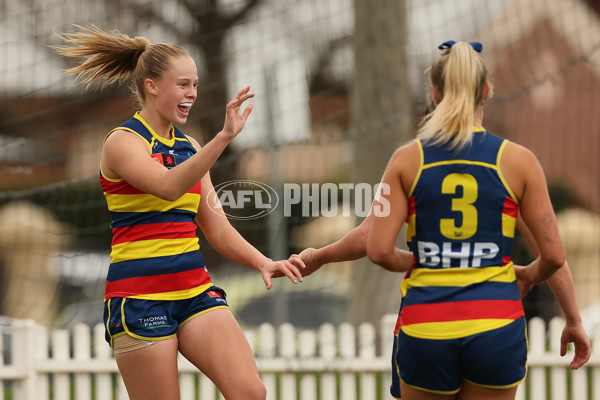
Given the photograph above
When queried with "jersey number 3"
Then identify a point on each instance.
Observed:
(462, 204)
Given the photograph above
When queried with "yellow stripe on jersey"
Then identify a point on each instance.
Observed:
(467, 162)
(149, 203)
(508, 225)
(421, 161)
(423, 277)
(176, 295)
(500, 152)
(453, 329)
(152, 248)
(155, 136)
(411, 227)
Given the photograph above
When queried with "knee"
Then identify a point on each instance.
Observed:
(260, 391)
(250, 390)
(256, 391)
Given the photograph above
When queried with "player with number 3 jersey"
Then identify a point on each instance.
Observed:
(461, 329)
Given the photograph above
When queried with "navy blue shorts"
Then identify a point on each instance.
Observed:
(496, 359)
(156, 319)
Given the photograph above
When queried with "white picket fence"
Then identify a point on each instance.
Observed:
(332, 363)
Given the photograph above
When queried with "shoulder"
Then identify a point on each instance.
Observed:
(194, 142)
(405, 163)
(410, 149)
(122, 146)
(517, 155)
(120, 137)
(408, 154)
(520, 166)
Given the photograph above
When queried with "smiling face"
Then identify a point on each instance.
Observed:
(176, 90)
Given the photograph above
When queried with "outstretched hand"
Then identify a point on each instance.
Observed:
(307, 260)
(310, 260)
(234, 121)
(276, 269)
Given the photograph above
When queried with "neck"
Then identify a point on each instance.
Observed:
(478, 117)
(161, 126)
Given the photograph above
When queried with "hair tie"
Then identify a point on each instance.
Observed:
(475, 45)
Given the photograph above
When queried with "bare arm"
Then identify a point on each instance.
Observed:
(352, 246)
(381, 242)
(127, 156)
(525, 176)
(228, 242)
(561, 284)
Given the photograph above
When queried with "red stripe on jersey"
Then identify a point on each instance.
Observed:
(511, 208)
(411, 206)
(121, 187)
(398, 324)
(460, 311)
(169, 230)
(506, 260)
(412, 210)
(197, 189)
(157, 283)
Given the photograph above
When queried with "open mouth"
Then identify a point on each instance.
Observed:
(185, 107)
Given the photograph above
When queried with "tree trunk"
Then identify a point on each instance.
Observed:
(381, 121)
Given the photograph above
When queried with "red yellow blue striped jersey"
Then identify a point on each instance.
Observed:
(155, 249)
(460, 227)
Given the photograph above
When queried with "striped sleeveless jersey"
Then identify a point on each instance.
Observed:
(460, 227)
(155, 250)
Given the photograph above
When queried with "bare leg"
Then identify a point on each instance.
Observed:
(151, 372)
(215, 343)
(409, 393)
(471, 391)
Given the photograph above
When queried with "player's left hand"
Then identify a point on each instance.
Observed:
(276, 269)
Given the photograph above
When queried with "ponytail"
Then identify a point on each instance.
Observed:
(112, 56)
(115, 57)
(459, 77)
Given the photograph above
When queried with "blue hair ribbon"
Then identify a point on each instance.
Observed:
(475, 45)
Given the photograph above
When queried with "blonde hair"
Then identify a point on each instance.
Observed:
(115, 57)
(459, 76)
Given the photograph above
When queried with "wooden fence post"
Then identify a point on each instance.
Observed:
(41, 346)
(308, 350)
(537, 347)
(266, 350)
(287, 350)
(558, 375)
(367, 353)
(327, 352)
(82, 346)
(347, 343)
(388, 322)
(22, 342)
(60, 352)
(102, 351)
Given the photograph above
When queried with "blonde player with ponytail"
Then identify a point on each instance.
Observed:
(461, 331)
(159, 297)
